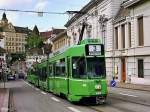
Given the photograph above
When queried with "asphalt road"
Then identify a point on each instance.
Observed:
(116, 105)
(135, 96)
(28, 98)
(126, 100)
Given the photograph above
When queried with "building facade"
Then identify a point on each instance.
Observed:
(2, 50)
(60, 42)
(131, 42)
(99, 16)
(14, 37)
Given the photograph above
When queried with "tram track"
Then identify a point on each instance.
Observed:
(131, 100)
(111, 106)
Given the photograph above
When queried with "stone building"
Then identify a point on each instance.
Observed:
(14, 36)
(98, 15)
(2, 50)
(60, 42)
(131, 42)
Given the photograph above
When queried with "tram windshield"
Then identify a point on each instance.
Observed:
(88, 67)
(96, 67)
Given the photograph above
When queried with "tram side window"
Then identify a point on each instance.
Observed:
(38, 72)
(79, 67)
(50, 70)
(43, 73)
(60, 68)
(32, 72)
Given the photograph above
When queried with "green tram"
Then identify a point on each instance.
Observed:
(32, 76)
(77, 73)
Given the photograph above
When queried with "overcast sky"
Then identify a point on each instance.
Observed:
(47, 21)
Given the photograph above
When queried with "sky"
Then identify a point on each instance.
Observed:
(45, 22)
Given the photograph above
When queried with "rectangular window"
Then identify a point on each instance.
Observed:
(129, 31)
(116, 38)
(43, 73)
(123, 35)
(140, 30)
(51, 70)
(88, 68)
(79, 67)
(60, 68)
(140, 68)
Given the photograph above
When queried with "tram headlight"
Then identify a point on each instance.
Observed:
(97, 86)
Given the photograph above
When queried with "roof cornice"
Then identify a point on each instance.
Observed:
(84, 10)
(130, 3)
(60, 35)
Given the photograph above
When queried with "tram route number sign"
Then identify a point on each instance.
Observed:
(94, 50)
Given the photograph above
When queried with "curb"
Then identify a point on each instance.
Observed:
(6, 100)
(134, 87)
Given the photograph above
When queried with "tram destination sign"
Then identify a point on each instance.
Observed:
(94, 50)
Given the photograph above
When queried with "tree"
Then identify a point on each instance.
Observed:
(34, 40)
(11, 58)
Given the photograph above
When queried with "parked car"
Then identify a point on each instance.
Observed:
(11, 77)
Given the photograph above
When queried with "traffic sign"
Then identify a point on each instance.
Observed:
(113, 83)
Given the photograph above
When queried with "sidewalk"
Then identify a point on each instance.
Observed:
(133, 86)
(4, 98)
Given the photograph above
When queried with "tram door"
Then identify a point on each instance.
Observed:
(123, 70)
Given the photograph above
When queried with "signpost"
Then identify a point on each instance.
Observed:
(113, 83)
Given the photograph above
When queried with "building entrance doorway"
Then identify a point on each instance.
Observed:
(123, 70)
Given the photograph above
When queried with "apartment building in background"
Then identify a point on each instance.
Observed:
(2, 50)
(60, 42)
(14, 36)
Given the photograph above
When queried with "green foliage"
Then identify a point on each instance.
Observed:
(15, 57)
(34, 41)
